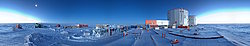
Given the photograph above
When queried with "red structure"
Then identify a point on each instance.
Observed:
(187, 27)
(152, 23)
(175, 41)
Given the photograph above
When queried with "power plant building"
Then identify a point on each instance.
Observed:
(178, 17)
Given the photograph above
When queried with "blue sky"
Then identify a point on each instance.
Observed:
(113, 11)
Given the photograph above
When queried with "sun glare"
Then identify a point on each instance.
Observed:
(8, 17)
(225, 17)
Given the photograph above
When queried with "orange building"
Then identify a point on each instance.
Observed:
(152, 23)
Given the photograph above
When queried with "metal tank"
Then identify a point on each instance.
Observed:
(178, 17)
(192, 20)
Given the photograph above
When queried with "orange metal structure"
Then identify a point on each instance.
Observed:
(175, 41)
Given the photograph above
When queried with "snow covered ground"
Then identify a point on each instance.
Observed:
(234, 34)
(52, 36)
(239, 34)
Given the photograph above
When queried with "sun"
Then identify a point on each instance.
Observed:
(225, 17)
(10, 17)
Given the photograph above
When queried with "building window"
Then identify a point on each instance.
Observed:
(181, 11)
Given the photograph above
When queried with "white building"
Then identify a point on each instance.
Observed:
(162, 22)
(192, 20)
(178, 17)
